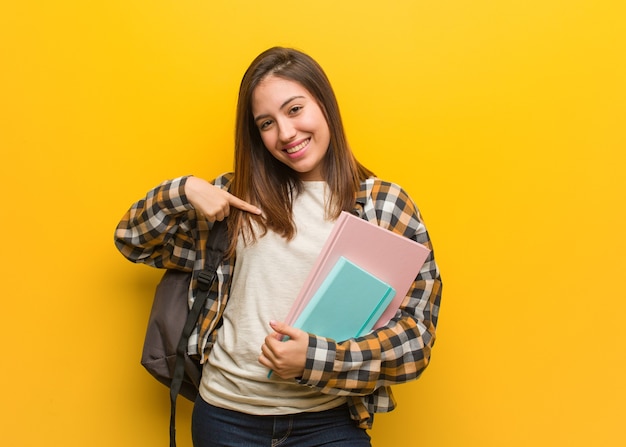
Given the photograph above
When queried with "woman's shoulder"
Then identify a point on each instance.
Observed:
(378, 189)
(390, 206)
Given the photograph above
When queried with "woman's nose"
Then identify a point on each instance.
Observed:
(287, 131)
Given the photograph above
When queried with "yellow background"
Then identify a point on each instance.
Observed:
(504, 119)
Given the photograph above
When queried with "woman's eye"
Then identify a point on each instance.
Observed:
(295, 109)
(265, 124)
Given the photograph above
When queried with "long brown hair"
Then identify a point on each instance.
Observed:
(266, 182)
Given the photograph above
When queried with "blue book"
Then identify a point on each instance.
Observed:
(347, 304)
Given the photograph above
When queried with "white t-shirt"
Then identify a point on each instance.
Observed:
(267, 278)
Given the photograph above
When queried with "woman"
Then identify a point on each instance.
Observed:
(294, 174)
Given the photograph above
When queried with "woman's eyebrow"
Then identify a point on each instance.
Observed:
(282, 106)
(291, 99)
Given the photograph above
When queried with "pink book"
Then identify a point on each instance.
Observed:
(388, 256)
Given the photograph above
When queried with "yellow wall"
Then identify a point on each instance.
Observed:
(504, 119)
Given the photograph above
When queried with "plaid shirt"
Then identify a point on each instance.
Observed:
(162, 231)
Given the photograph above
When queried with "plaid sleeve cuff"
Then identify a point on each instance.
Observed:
(320, 361)
(172, 195)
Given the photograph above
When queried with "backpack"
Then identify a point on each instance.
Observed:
(171, 323)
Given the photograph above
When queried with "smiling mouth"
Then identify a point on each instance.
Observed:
(298, 147)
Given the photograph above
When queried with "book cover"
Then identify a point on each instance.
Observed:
(347, 304)
(392, 258)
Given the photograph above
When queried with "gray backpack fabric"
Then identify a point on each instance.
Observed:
(171, 322)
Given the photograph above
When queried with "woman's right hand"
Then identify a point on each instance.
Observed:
(212, 202)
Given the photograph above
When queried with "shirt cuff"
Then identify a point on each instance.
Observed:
(320, 361)
(173, 195)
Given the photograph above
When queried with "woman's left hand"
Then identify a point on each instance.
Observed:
(285, 358)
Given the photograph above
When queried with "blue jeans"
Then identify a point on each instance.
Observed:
(212, 427)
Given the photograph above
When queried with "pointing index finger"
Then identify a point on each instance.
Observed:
(243, 205)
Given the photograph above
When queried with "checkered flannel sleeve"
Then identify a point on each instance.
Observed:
(401, 350)
(160, 229)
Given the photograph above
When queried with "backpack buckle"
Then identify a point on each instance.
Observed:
(205, 279)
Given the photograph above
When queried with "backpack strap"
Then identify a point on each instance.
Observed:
(216, 246)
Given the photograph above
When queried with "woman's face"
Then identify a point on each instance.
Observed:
(292, 125)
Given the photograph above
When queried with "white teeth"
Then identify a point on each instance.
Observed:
(298, 147)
